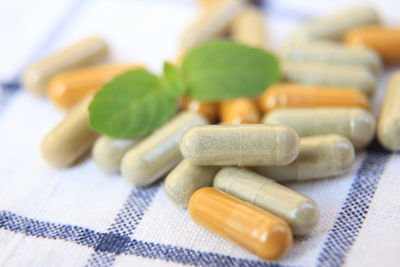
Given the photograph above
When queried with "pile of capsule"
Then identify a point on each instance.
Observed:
(312, 123)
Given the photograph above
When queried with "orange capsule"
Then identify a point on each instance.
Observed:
(239, 111)
(207, 109)
(252, 228)
(384, 40)
(305, 96)
(69, 87)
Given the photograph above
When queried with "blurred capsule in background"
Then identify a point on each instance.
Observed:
(87, 51)
(207, 109)
(239, 111)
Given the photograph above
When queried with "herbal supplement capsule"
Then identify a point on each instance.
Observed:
(212, 23)
(389, 121)
(207, 109)
(337, 75)
(68, 88)
(107, 152)
(71, 138)
(320, 156)
(240, 145)
(185, 179)
(299, 211)
(335, 26)
(384, 40)
(239, 111)
(159, 152)
(262, 233)
(354, 123)
(82, 53)
(332, 53)
(300, 96)
(248, 28)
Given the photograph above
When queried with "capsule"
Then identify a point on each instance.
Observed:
(262, 233)
(80, 54)
(320, 156)
(107, 152)
(239, 111)
(248, 28)
(185, 179)
(331, 53)
(302, 96)
(354, 123)
(334, 27)
(240, 145)
(68, 88)
(389, 121)
(324, 74)
(71, 138)
(212, 23)
(299, 211)
(384, 40)
(159, 152)
(207, 109)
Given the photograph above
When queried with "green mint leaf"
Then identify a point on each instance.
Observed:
(224, 69)
(133, 104)
(173, 81)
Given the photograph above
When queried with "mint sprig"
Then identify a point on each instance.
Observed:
(137, 102)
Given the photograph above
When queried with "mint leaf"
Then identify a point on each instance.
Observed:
(224, 69)
(173, 81)
(133, 104)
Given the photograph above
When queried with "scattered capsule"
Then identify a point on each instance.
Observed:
(185, 179)
(335, 26)
(320, 156)
(384, 40)
(207, 109)
(107, 152)
(159, 152)
(299, 211)
(389, 121)
(239, 111)
(257, 230)
(68, 88)
(354, 123)
(332, 53)
(212, 23)
(302, 96)
(80, 54)
(324, 74)
(248, 28)
(240, 145)
(71, 138)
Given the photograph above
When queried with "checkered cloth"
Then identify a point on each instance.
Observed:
(80, 216)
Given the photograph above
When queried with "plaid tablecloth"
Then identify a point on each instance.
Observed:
(80, 216)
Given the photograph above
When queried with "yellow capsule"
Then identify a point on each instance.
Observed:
(207, 109)
(257, 230)
(389, 121)
(239, 111)
(303, 96)
(384, 40)
(80, 54)
(71, 138)
(354, 123)
(248, 28)
(68, 88)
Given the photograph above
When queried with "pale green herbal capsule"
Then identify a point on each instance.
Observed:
(185, 179)
(336, 25)
(107, 152)
(80, 54)
(354, 123)
(331, 53)
(320, 156)
(240, 145)
(159, 152)
(325, 74)
(389, 121)
(299, 211)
